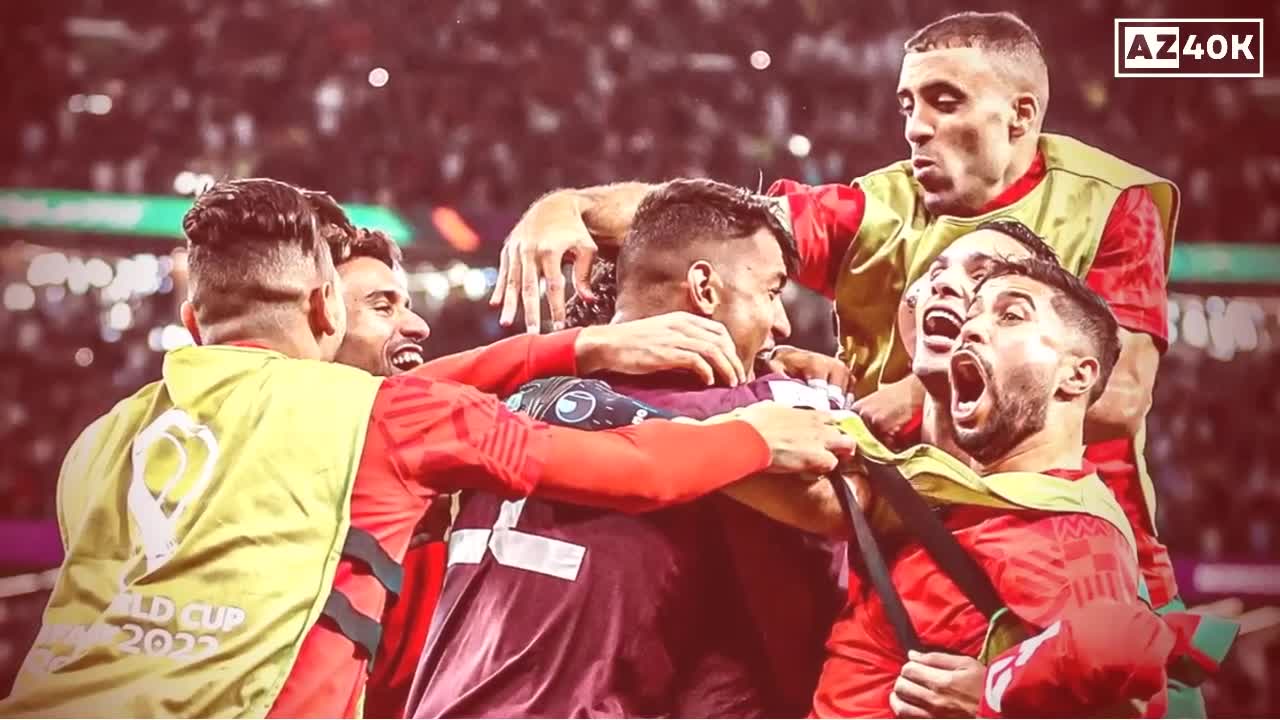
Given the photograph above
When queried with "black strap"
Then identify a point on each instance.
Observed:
(874, 566)
(363, 546)
(359, 628)
(888, 483)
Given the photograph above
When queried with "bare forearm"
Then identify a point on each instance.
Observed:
(1120, 411)
(807, 503)
(607, 210)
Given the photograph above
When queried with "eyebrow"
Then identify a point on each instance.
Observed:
(1020, 294)
(391, 296)
(933, 87)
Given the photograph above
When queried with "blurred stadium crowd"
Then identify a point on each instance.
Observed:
(126, 97)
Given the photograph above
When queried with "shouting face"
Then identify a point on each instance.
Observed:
(935, 306)
(384, 336)
(1014, 351)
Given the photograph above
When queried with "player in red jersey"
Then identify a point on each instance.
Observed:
(973, 91)
(1034, 351)
(263, 280)
(1126, 673)
(705, 610)
(384, 337)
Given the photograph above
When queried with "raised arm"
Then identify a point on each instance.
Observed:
(563, 223)
(1130, 271)
(672, 341)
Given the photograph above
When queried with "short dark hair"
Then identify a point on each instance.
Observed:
(678, 217)
(1025, 236)
(984, 30)
(581, 312)
(1080, 308)
(1001, 33)
(362, 242)
(249, 242)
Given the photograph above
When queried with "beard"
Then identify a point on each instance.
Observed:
(1017, 412)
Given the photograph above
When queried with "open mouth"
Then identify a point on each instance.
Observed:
(968, 385)
(941, 327)
(406, 357)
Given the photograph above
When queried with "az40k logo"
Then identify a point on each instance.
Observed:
(1161, 47)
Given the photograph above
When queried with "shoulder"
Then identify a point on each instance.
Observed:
(1051, 561)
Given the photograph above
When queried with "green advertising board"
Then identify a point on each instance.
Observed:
(145, 215)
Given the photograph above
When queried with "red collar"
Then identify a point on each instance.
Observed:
(1086, 469)
(1020, 187)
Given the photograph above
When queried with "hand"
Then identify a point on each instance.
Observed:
(888, 410)
(673, 341)
(812, 367)
(937, 685)
(800, 441)
(536, 248)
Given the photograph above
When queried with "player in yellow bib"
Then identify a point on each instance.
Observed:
(973, 91)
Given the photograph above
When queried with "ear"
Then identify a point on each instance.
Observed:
(324, 311)
(704, 287)
(1026, 115)
(188, 313)
(1078, 377)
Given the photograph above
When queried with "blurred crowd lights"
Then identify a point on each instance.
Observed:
(378, 77)
(438, 285)
(96, 104)
(192, 183)
(1221, 327)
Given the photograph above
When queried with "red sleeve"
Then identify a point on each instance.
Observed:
(502, 367)
(1080, 666)
(651, 465)
(438, 434)
(1130, 268)
(824, 221)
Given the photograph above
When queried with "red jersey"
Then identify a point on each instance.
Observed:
(1129, 271)
(1042, 564)
(429, 434)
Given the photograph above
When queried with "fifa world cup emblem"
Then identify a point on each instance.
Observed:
(156, 512)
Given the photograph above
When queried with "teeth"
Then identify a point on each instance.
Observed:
(406, 357)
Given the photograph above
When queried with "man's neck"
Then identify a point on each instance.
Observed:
(1039, 453)
(935, 426)
(287, 344)
(1017, 180)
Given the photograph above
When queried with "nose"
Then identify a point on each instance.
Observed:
(945, 285)
(781, 323)
(974, 331)
(413, 327)
(919, 128)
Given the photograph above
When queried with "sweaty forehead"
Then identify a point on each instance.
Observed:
(985, 242)
(967, 68)
(760, 255)
(995, 287)
(364, 275)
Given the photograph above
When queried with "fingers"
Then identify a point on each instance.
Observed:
(944, 661)
(549, 264)
(695, 362)
(511, 295)
(529, 295)
(715, 334)
(837, 442)
(925, 676)
(582, 274)
(916, 695)
(903, 709)
(500, 287)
